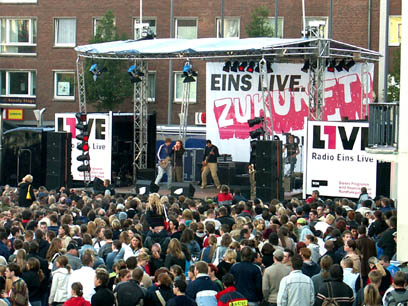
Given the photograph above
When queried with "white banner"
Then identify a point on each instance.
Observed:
(234, 97)
(336, 162)
(100, 143)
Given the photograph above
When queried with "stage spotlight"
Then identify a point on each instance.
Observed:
(250, 67)
(255, 121)
(135, 74)
(242, 66)
(340, 65)
(188, 73)
(96, 72)
(257, 67)
(257, 133)
(332, 65)
(350, 64)
(306, 66)
(235, 66)
(227, 66)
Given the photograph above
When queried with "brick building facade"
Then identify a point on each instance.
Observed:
(47, 31)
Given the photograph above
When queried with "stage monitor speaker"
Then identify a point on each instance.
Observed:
(226, 172)
(58, 171)
(186, 189)
(146, 187)
(269, 170)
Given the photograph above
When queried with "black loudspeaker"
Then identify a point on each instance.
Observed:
(148, 185)
(187, 189)
(98, 186)
(146, 174)
(226, 172)
(269, 170)
(58, 171)
(151, 141)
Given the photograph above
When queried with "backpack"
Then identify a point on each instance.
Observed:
(206, 298)
(330, 300)
(399, 299)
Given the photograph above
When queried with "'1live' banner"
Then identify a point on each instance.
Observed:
(234, 97)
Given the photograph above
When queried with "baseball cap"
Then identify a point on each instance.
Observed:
(278, 254)
(301, 221)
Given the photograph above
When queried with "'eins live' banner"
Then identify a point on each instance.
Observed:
(235, 97)
(100, 143)
(336, 162)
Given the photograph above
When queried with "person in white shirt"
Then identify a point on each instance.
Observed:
(349, 277)
(85, 276)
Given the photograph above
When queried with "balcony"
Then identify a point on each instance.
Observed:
(383, 131)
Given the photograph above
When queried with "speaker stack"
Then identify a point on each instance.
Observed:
(269, 170)
(58, 172)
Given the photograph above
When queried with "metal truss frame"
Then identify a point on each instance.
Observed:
(184, 111)
(317, 81)
(265, 95)
(365, 89)
(140, 120)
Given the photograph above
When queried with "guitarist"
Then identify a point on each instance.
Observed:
(210, 165)
(164, 155)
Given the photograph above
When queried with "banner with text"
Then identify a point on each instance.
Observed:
(234, 97)
(336, 162)
(100, 143)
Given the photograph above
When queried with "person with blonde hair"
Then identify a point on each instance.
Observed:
(26, 195)
(175, 255)
(155, 214)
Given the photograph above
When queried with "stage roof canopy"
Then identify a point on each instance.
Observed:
(222, 48)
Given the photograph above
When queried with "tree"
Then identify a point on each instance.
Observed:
(113, 86)
(394, 78)
(259, 26)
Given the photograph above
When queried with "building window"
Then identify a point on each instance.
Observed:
(320, 23)
(18, 83)
(136, 26)
(18, 36)
(271, 21)
(151, 85)
(97, 23)
(186, 28)
(178, 88)
(65, 32)
(395, 31)
(64, 85)
(231, 27)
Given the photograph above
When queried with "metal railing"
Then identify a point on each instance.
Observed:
(384, 122)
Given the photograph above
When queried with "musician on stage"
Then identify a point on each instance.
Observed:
(210, 165)
(164, 155)
(292, 150)
(178, 152)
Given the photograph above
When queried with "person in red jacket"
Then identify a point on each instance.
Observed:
(230, 295)
(224, 197)
(77, 299)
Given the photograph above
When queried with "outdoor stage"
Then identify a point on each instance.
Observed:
(200, 193)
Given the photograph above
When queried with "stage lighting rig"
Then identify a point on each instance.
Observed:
(189, 73)
(96, 72)
(135, 74)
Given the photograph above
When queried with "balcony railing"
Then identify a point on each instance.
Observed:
(384, 121)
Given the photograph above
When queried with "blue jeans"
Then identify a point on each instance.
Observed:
(168, 171)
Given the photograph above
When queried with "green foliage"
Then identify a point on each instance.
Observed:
(394, 78)
(259, 26)
(113, 86)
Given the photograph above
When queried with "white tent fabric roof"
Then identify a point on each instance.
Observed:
(171, 45)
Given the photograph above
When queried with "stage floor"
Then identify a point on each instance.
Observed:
(209, 191)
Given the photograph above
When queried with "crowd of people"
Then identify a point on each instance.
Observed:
(72, 247)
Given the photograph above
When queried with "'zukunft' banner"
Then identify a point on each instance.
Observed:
(336, 163)
(234, 97)
(100, 143)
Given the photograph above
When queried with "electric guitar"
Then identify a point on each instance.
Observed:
(164, 162)
(205, 161)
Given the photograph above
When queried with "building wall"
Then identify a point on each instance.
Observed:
(350, 24)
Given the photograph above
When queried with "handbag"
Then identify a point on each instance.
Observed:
(217, 257)
(28, 195)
